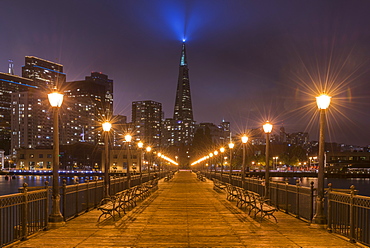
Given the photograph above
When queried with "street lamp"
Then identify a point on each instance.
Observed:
(231, 146)
(140, 145)
(323, 102)
(159, 163)
(128, 139)
(210, 164)
(215, 153)
(244, 141)
(148, 149)
(267, 128)
(106, 128)
(222, 150)
(55, 100)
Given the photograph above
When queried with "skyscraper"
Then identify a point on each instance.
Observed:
(179, 131)
(45, 74)
(9, 84)
(183, 123)
(147, 118)
(88, 102)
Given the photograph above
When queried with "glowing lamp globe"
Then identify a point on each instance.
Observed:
(244, 139)
(148, 149)
(231, 145)
(140, 144)
(267, 127)
(222, 149)
(55, 99)
(107, 126)
(323, 101)
(128, 138)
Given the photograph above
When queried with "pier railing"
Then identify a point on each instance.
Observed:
(23, 214)
(27, 212)
(347, 213)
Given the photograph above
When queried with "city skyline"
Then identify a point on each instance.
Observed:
(248, 62)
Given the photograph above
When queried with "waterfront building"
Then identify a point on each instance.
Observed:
(34, 159)
(147, 118)
(9, 84)
(79, 156)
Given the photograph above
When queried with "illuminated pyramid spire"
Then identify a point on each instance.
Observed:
(183, 106)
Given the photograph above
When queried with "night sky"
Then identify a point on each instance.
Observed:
(249, 60)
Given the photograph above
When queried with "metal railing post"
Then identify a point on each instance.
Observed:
(352, 216)
(76, 199)
(24, 226)
(64, 196)
(87, 196)
(312, 201)
(286, 196)
(277, 196)
(329, 208)
(96, 192)
(297, 198)
(46, 213)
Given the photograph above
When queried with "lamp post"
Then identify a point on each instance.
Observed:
(210, 164)
(267, 128)
(323, 102)
(128, 140)
(140, 145)
(159, 163)
(215, 153)
(55, 100)
(222, 150)
(106, 128)
(148, 149)
(244, 141)
(231, 146)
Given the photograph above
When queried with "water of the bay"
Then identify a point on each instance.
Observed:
(11, 185)
(361, 184)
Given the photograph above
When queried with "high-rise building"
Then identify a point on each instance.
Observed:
(31, 118)
(45, 74)
(8, 85)
(88, 103)
(147, 118)
(179, 131)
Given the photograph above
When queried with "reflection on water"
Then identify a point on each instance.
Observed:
(361, 184)
(11, 185)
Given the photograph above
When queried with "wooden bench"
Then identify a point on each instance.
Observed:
(261, 205)
(108, 206)
(168, 177)
(254, 202)
(217, 184)
(231, 192)
(201, 177)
